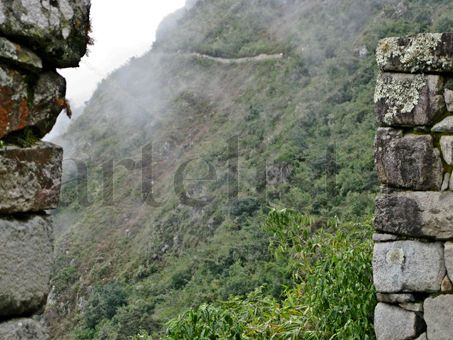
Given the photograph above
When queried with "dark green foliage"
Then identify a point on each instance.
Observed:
(181, 278)
(104, 303)
(444, 24)
(331, 295)
(207, 322)
(244, 207)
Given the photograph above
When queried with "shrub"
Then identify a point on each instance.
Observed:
(104, 303)
(332, 296)
(245, 206)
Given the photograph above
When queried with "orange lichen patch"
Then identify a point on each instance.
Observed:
(24, 113)
(6, 107)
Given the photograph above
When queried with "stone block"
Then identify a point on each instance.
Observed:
(449, 99)
(409, 100)
(30, 102)
(30, 178)
(384, 237)
(395, 298)
(25, 265)
(56, 30)
(446, 286)
(416, 214)
(448, 254)
(408, 266)
(412, 306)
(446, 182)
(446, 145)
(439, 317)
(421, 53)
(17, 55)
(409, 162)
(444, 126)
(394, 323)
(22, 329)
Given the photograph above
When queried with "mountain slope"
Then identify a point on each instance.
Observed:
(306, 116)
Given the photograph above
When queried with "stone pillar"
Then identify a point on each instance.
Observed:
(413, 253)
(36, 37)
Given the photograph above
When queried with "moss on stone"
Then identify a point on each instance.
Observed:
(449, 84)
(25, 138)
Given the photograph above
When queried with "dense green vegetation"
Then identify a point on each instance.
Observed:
(332, 295)
(124, 266)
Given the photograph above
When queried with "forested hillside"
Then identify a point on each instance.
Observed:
(296, 131)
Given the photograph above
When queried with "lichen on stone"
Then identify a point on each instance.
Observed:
(421, 50)
(387, 49)
(401, 94)
(418, 53)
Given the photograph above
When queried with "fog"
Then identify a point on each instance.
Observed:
(120, 30)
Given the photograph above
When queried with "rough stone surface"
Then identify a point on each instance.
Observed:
(409, 162)
(392, 323)
(30, 103)
(30, 178)
(449, 99)
(409, 100)
(56, 30)
(429, 52)
(384, 237)
(22, 329)
(20, 56)
(26, 258)
(446, 286)
(446, 182)
(408, 266)
(439, 317)
(415, 214)
(446, 145)
(422, 337)
(395, 298)
(412, 306)
(445, 125)
(448, 254)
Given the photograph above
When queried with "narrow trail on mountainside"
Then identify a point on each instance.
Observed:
(260, 57)
(227, 61)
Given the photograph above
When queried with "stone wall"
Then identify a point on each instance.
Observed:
(413, 253)
(36, 37)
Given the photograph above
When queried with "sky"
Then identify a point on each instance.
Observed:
(121, 30)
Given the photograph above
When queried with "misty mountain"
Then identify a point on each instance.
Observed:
(179, 156)
(62, 124)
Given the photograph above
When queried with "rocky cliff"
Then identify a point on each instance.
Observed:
(36, 37)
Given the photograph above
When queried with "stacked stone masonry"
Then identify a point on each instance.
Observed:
(413, 253)
(36, 37)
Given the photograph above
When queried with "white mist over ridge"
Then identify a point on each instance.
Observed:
(120, 30)
(114, 22)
